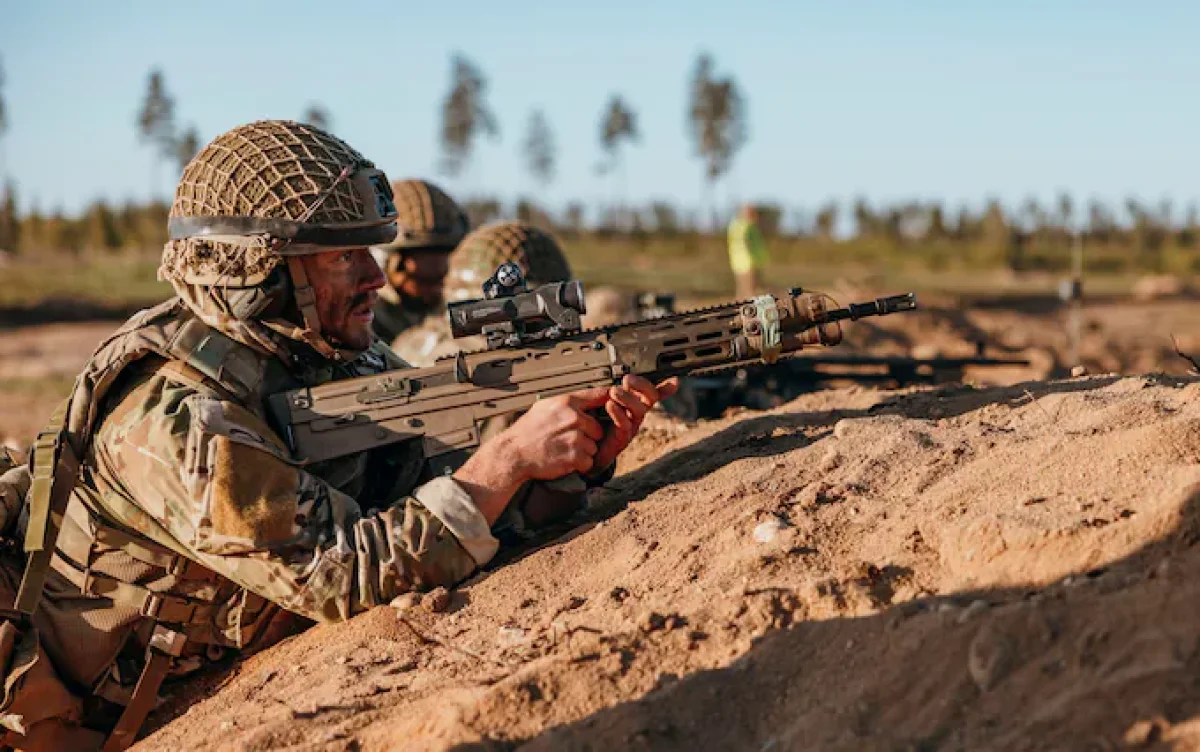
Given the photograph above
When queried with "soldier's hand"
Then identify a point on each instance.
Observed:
(554, 438)
(627, 406)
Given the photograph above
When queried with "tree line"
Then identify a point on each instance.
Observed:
(1030, 235)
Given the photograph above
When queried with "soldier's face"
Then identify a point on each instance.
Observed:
(346, 284)
(418, 275)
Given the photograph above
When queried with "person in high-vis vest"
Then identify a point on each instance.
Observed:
(747, 253)
(165, 522)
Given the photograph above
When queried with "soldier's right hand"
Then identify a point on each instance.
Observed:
(557, 436)
(554, 438)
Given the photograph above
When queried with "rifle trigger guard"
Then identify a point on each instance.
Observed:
(770, 338)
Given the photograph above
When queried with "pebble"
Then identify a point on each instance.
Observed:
(841, 428)
(830, 461)
(1078, 371)
(511, 635)
(437, 600)
(975, 609)
(768, 531)
(405, 601)
(988, 658)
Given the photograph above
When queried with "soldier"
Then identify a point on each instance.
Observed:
(430, 225)
(537, 253)
(190, 529)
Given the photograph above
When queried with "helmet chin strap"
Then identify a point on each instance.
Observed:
(306, 300)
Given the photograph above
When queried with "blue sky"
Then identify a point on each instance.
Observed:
(928, 99)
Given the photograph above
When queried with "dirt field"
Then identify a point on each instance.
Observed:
(1005, 566)
(1000, 568)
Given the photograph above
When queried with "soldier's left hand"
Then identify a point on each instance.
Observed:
(627, 407)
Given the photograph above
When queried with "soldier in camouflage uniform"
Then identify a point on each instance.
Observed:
(189, 529)
(479, 254)
(430, 225)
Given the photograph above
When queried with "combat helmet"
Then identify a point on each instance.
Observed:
(427, 218)
(263, 194)
(481, 252)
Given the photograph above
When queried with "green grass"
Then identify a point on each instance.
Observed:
(113, 280)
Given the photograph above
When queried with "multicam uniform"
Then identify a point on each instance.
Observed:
(541, 261)
(191, 529)
(428, 219)
(476, 258)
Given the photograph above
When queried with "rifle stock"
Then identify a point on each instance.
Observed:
(445, 405)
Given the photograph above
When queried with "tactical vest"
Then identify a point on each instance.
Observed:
(161, 611)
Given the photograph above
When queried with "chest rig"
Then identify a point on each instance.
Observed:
(161, 608)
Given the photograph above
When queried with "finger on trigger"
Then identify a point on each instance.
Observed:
(619, 415)
(668, 387)
(589, 425)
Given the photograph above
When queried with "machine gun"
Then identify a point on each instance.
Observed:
(535, 349)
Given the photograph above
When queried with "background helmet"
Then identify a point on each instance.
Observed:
(476, 258)
(426, 217)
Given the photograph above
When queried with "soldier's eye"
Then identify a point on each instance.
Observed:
(348, 256)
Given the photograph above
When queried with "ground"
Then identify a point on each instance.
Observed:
(1009, 564)
(963, 568)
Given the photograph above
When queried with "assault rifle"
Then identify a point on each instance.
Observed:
(536, 348)
(762, 386)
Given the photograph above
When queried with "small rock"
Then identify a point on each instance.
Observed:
(975, 609)
(1163, 570)
(988, 658)
(1079, 371)
(511, 636)
(226, 725)
(768, 531)
(1145, 732)
(842, 428)
(830, 461)
(618, 594)
(652, 622)
(437, 600)
(406, 601)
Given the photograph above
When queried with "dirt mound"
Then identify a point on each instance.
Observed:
(1000, 568)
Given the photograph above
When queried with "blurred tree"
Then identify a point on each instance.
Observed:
(187, 147)
(936, 228)
(318, 117)
(3, 119)
(156, 124)
(826, 221)
(1066, 211)
(465, 115)
(101, 233)
(770, 218)
(33, 230)
(539, 149)
(716, 119)
(481, 211)
(618, 124)
(865, 222)
(10, 224)
(666, 220)
(574, 217)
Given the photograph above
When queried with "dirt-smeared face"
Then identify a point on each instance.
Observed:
(346, 283)
(418, 275)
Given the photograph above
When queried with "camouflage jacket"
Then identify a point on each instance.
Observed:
(188, 498)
